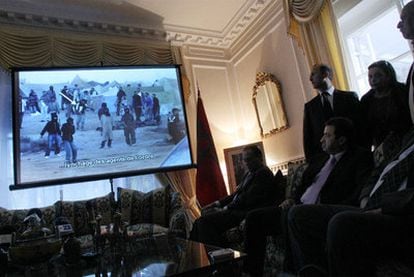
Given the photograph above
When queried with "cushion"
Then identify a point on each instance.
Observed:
(156, 206)
(294, 177)
(145, 230)
(81, 213)
(129, 199)
(280, 182)
(151, 207)
(14, 218)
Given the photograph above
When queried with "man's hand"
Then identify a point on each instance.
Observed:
(214, 204)
(287, 204)
(210, 210)
(363, 202)
(375, 211)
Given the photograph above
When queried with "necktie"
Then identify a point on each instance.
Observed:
(392, 180)
(247, 178)
(312, 193)
(327, 109)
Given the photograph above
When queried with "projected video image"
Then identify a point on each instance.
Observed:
(94, 123)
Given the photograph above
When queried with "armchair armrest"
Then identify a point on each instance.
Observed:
(179, 223)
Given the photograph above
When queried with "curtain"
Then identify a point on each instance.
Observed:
(18, 47)
(184, 181)
(313, 25)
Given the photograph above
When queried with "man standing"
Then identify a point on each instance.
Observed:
(255, 191)
(54, 140)
(137, 105)
(129, 127)
(119, 96)
(334, 177)
(68, 130)
(156, 108)
(350, 241)
(328, 103)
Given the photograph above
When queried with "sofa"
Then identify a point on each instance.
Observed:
(144, 214)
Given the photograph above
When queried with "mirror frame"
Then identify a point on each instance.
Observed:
(261, 79)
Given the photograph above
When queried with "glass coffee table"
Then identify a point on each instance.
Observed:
(159, 255)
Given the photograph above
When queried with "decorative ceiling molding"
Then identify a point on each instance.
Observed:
(173, 34)
(49, 22)
(226, 38)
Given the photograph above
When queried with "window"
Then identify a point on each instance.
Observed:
(369, 33)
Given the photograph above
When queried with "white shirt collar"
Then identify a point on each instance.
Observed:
(329, 90)
(337, 156)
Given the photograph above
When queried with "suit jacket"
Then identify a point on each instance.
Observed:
(407, 141)
(345, 181)
(260, 191)
(345, 103)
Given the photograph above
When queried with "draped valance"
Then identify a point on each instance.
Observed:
(313, 25)
(23, 47)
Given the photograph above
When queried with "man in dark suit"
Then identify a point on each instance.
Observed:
(351, 241)
(334, 177)
(328, 103)
(255, 191)
(354, 239)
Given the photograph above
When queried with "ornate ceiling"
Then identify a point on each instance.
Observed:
(215, 23)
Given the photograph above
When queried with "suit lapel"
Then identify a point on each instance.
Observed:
(407, 82)
(339, 164)
(335, 102)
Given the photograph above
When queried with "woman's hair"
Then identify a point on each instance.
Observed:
(387, 68)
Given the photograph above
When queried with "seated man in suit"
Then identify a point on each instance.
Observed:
(334, 177)
(354, 239)
(256, 190)
(328, 103)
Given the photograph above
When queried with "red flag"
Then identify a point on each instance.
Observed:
(209, 181)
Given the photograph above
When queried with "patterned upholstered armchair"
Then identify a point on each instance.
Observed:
(158, 211)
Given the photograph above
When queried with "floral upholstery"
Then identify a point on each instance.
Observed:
(81, 213)
(294, 177)
(158, 211)
(161, 207)
(146, 230)
(14, 218)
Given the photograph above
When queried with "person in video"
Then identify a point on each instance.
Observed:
(175, 126)
(68, 130)
(106, 125)
(129, 127)
(119, 96)
(80, 109)
(53, 106)
(33, 102)
(156, 108)
(54, 135)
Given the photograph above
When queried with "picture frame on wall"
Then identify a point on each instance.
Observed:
(234, 163)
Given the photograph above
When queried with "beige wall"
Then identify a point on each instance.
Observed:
(226, 79)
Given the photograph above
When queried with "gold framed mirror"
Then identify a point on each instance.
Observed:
(268, 103)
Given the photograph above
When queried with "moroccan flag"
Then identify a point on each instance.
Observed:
(209, 180)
